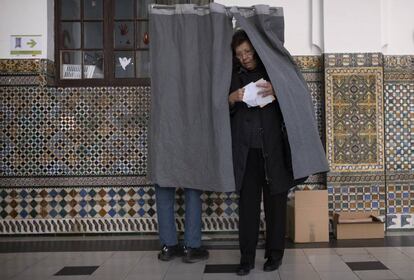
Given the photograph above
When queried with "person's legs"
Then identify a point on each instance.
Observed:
(192, 234)
(165, 199)
(249, 207)
(275, 215)
(193, 252)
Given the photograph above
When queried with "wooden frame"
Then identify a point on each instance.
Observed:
(108, 49)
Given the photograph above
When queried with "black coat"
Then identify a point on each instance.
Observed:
(274, 141)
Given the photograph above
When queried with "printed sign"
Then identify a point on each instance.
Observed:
(26, 45)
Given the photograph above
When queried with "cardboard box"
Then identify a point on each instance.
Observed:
(357, 225)
(308, 216)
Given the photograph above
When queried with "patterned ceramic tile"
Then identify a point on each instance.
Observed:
(399, 139)
(74, 131)
(354, 119)
(357, 197)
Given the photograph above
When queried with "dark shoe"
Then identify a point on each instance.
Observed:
(168, 253)
(272, 264)
(192, 255)
(244, 269)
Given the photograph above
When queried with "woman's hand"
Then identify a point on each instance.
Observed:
(266, 89)
(236, 96)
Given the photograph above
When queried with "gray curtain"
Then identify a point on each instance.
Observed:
(189, 134)
(265, 28)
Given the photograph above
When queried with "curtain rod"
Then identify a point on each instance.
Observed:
(161, 6)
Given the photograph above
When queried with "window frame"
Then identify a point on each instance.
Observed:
(108, 49)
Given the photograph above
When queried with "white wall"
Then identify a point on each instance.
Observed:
(26, 17)
(299, 23)
(352, 26)
(399, 30)
(312, 27)
(338, 26)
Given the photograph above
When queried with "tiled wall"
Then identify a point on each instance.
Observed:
(369, 112)
(73, 159)
(355, 131)
(399, 139)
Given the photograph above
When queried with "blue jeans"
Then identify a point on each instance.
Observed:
(165, 198)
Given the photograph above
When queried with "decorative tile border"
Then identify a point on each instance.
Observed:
(68, 181)
(107, 225)
(309, 63)
(103, 209)
(353, 60)
(399, 68)
(338, 178)
(40, 72)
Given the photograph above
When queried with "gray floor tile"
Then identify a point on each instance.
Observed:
(183, 276)
(351, 251)
(77, 258)
(333, 267)
(145, 276)
(409, 249)
(150, 267)
(5, 257)
(114, 271)
(294, 252)
(320, 251)
(399, 265)
(324, 259)
(290, 259)
(222, 276)
(67, 278)
(315, 264)
(405, 274)
(20, 263)
(328, 263)
(296, 266)
(358, 258)
(376, 275)
(334, 275)
(299, 275)
(37, 272)
(273, 275)
(186, 268)
(383, 250)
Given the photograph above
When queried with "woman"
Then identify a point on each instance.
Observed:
(261, 159)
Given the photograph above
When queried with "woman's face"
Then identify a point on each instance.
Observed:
(245, 54)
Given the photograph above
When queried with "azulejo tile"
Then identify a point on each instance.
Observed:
(354, 114)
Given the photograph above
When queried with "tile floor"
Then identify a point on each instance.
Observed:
(334, 262)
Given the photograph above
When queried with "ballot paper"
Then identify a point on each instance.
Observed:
(252, 97)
